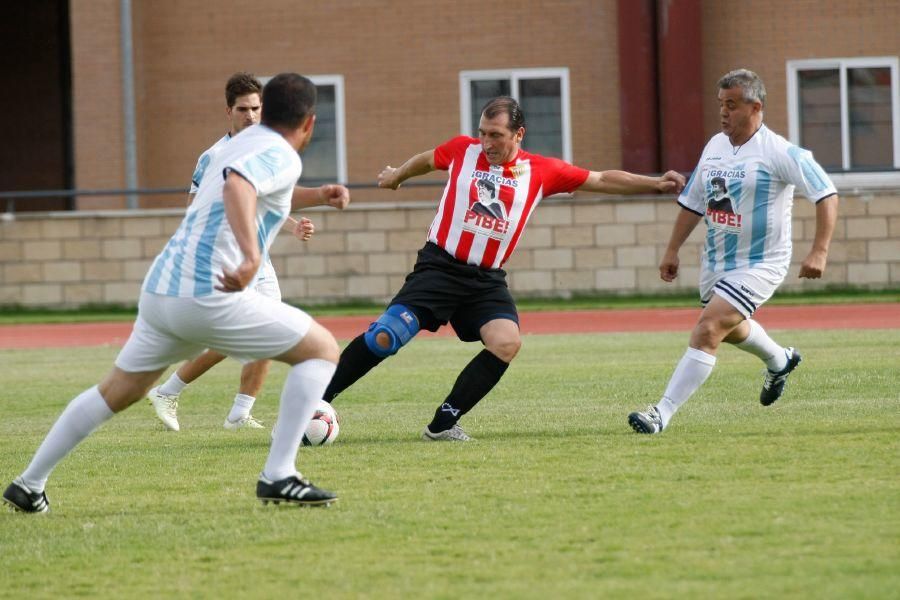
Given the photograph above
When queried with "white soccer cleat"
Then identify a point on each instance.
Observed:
(454, 434)
(249, 422)
(166, 406)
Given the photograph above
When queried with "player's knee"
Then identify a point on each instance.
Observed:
(506, 349)
(392, 330)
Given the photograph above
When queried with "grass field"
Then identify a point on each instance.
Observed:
(20, 315)
(557, 497)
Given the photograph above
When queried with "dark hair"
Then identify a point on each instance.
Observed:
(287, 99)
(241, 84)
(719, 181)
(505, 105)
(488, 185)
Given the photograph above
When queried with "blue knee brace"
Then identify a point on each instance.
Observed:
(399, 323)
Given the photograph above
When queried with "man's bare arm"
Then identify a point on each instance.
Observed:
(420, 164)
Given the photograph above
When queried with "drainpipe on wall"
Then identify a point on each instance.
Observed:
(125, 37)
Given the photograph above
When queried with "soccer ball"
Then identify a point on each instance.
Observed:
(324, 426)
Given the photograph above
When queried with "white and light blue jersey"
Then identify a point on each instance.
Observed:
(746, 195)
(204, 161)
(204, 243)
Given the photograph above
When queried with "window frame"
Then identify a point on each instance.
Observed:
(842, 64)
(514, 76)
(339, 116)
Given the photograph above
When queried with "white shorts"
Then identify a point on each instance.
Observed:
(745, 289)
(246, 325)
(268, 286)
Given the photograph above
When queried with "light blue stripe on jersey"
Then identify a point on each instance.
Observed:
(265, 229)
(731, 239)
(812, 172)
(203, 261)
(175, 279)
(201, 169)
(159, 267)
(262, 166)
(687, 189)
(711, 248)
(761, 202)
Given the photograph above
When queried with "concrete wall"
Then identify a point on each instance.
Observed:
(583, 244)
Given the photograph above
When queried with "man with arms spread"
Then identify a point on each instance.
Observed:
(243, 104)
(458, 276)
(196, 296)
(748, 242)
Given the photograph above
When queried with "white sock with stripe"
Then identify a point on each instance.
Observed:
(82, 416)
(692, 370)
(304, 386)
(758, 343)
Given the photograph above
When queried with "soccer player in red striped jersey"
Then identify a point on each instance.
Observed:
(493, 188)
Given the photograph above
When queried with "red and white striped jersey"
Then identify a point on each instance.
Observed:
(485, 207)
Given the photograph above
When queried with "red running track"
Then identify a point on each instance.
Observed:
(835, 316)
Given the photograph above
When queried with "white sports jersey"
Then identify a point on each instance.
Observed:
(747, 193)
(266, 270)
(204, 160)
(204, 244)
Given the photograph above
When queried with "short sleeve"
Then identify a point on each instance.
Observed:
(691, 197)
(798, 167)
(561, 177)
(199, 171)
(446, 152)
(266, 171)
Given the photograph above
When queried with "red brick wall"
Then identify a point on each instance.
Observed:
(762, 35)
(400, 64)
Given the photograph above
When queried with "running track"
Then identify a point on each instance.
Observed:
(836, 316)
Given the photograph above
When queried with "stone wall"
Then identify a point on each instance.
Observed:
(573, 245)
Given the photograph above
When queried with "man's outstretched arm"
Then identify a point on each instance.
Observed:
(623, 182)
(420, 164)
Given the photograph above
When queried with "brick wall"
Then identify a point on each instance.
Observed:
(572, 245)
(400, 61)
(762, 35)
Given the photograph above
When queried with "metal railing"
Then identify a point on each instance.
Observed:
(11, 197)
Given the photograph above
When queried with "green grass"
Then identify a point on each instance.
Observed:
(556, 498)
(16, 314)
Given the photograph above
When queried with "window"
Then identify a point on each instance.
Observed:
(543, 95)
(325, 159)
(847, 111)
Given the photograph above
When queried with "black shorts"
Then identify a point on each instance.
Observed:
(441, 289)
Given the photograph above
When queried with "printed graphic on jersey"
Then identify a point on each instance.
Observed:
(720, 213)
(488, 212)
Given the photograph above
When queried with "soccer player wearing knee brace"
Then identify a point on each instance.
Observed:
(744, 188)
(493, 188)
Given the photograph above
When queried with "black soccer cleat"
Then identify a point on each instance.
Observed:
(21, 499)
(773, 385)
(293, 490)
(648, 422)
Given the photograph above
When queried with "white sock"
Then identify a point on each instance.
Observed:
(173, 385)
(692, 370)
(304, 386)
(82, 416)
(758, 343)
(241, 407)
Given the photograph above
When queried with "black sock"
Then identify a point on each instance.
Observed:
(356, 360)
(474, 382)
